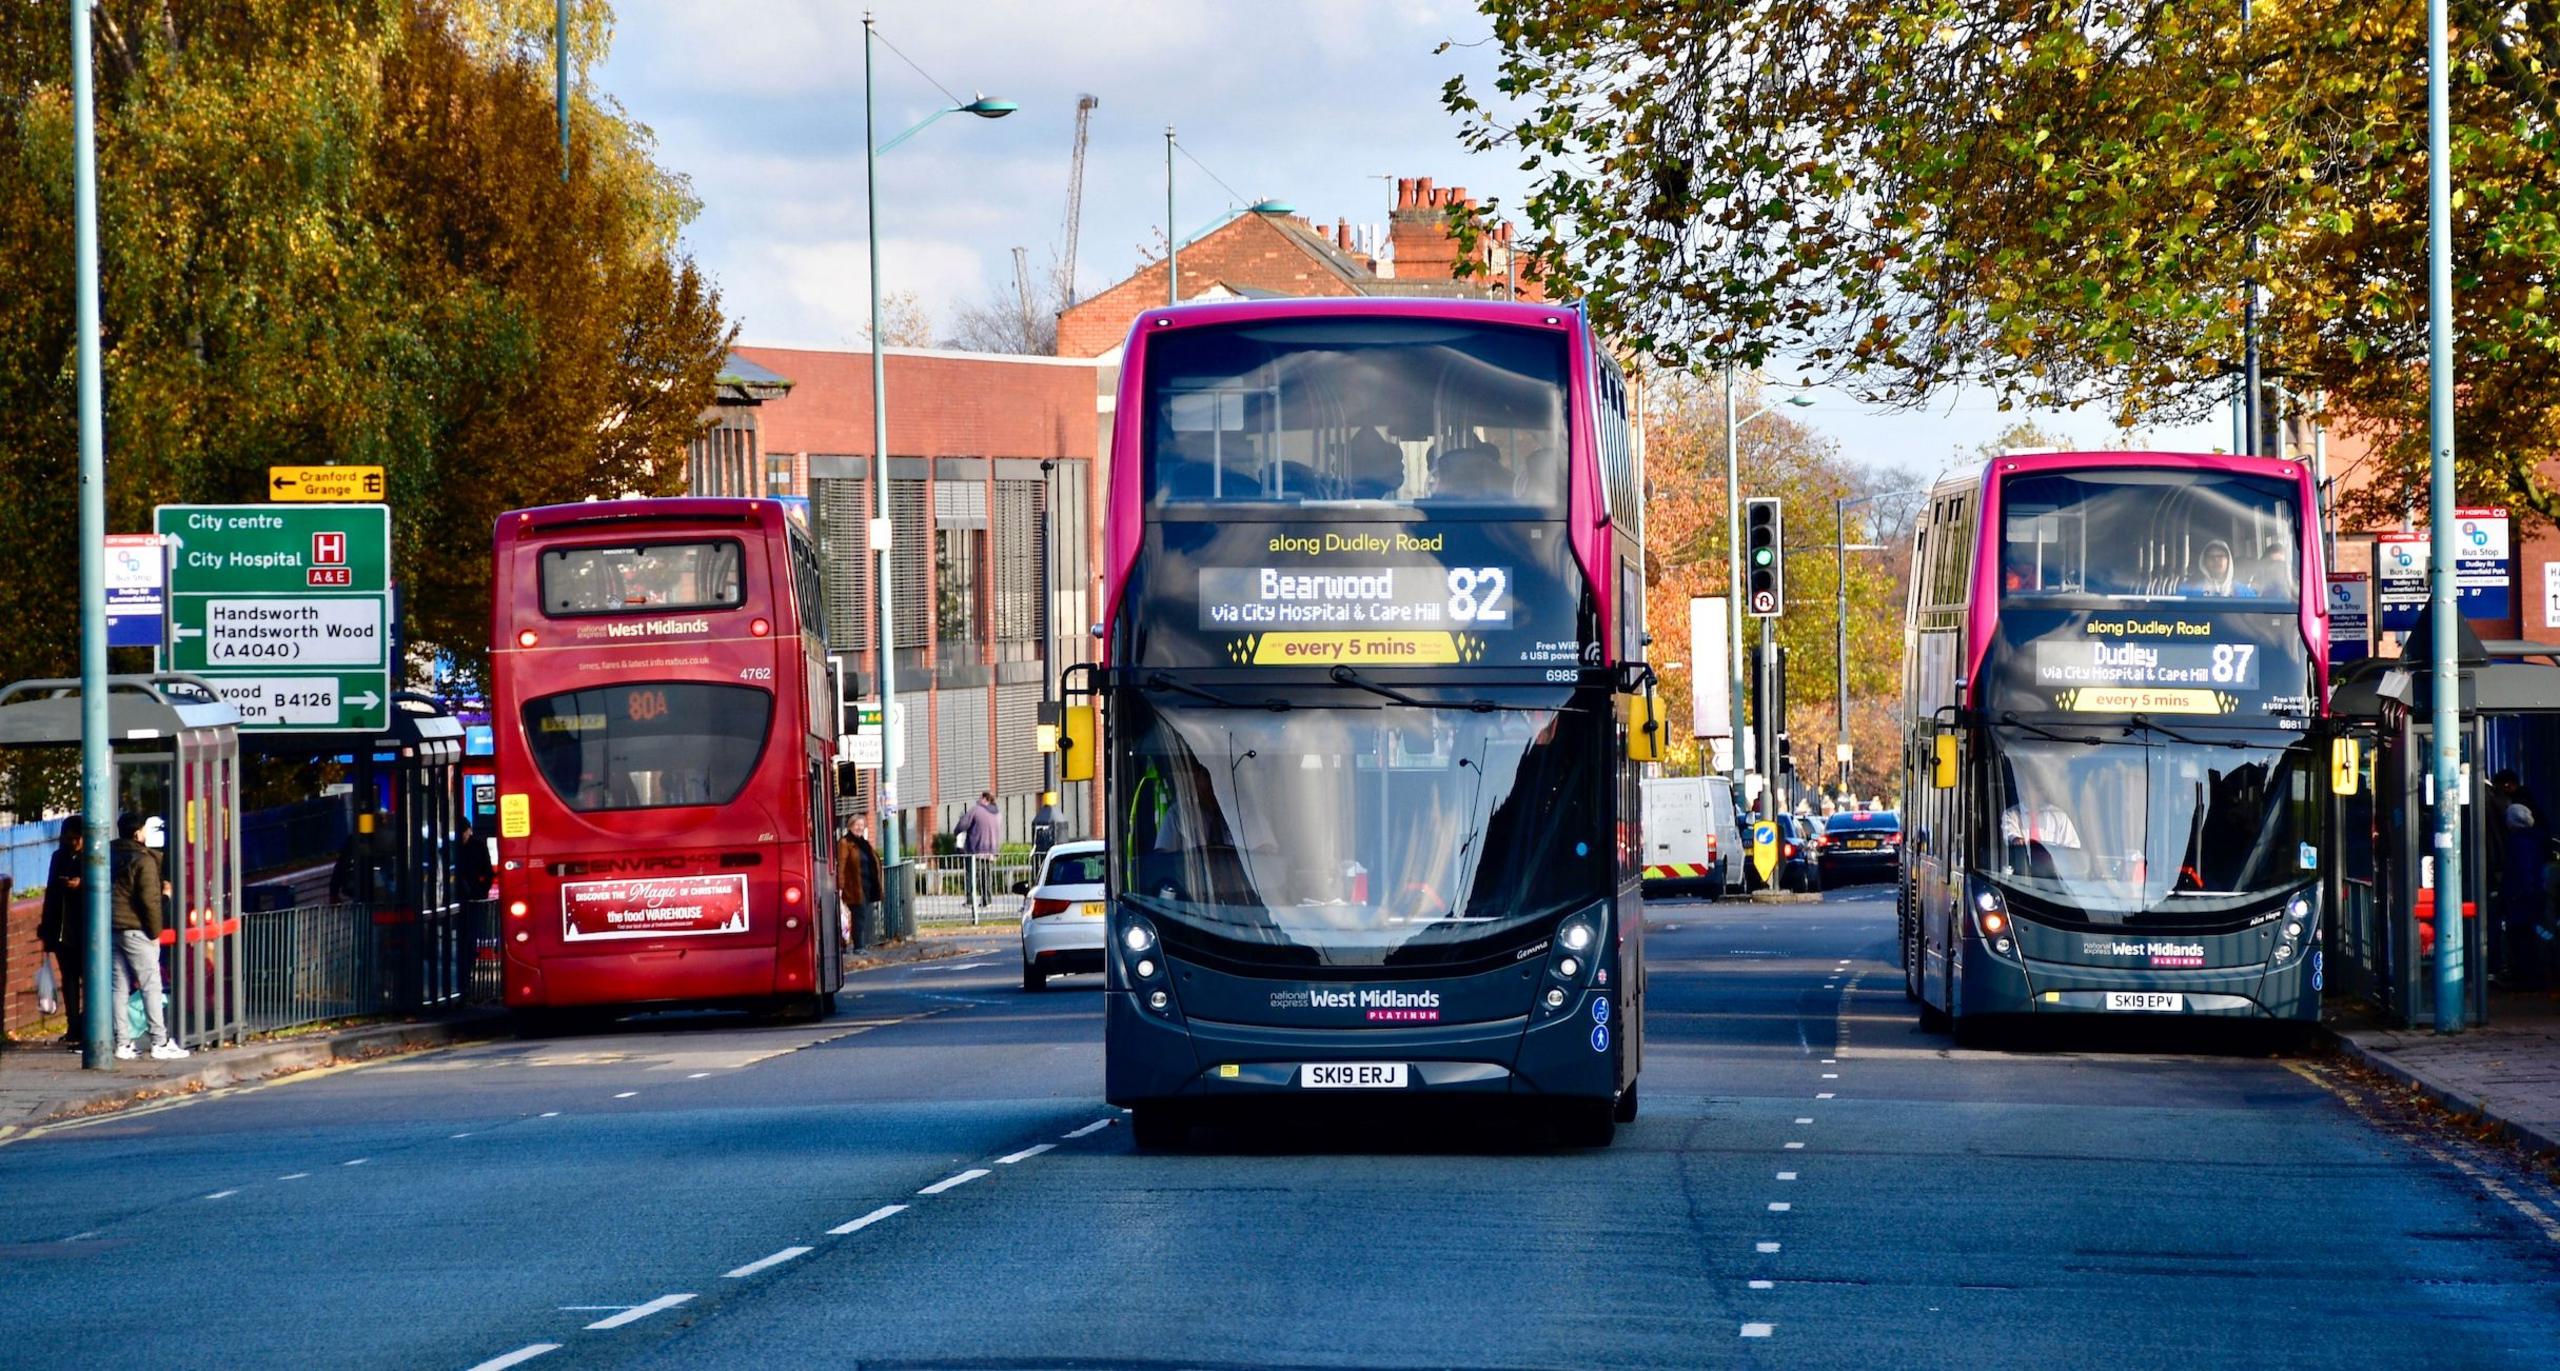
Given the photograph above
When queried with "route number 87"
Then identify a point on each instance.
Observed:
(2231, 662)
(1475, 594)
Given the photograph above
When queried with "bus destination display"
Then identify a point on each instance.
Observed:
(2228, 663)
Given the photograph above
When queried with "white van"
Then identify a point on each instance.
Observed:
(1690, 842)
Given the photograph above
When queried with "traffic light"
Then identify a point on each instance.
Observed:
(1786, 754)
(1764, 561)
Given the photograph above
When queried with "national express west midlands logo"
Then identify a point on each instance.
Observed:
(1240, 650)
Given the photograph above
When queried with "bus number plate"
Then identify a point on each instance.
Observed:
(2145, 999)
(1352, 1076)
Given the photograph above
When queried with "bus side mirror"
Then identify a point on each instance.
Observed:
(1644, 730)
(1943, 774)
(2346, 765)
(1076, 749)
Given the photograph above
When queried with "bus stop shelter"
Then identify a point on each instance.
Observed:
(175, 747)
(2383, 944)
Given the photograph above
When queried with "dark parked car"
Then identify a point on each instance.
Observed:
(1799, 852)
(1860, 845)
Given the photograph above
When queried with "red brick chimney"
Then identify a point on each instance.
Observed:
(1420, 229)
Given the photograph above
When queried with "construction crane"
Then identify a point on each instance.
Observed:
(1075, 195)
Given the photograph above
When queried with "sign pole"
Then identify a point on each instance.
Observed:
(97, 773)
(2440, 514)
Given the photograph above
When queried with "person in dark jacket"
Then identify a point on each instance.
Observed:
(137, 900)
(471, 870)
(63, 928)
(981, 832)
(859, 882)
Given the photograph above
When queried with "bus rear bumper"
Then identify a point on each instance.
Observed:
(689, 976)
(1149, 1058)
(2257, 992)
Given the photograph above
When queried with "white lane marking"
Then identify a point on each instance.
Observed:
(1830, 1061)
(1824, 1095)
(638, 1312)
(866, 1220)
(357, 1162)
(1764, 1247)
(1794, 1146)
(627, 1094)
(2531, 1212)
(457, 1137)
(698, 1075)
(222, 1194)
(82, 1237)
(964, 966)
(761, 1263)
(1758, 1330)
(551, 1114)
(1764, 1285)
(1094, 1127)
(296, 1176)
(1786, 1175)
(1830, 1075)
(1025, 1154)
(949, 1181)
(1779, 1206)
(518, 1357)
(1807, 1119)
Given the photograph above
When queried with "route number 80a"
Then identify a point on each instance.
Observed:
(1475, 594)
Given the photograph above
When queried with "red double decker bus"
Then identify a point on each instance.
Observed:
(661, 703)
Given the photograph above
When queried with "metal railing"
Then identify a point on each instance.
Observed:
(314, 963)
(964, 888)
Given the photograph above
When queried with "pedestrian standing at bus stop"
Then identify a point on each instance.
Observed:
(858, 881)
(136, 897)
(980, 831)
(63, 928)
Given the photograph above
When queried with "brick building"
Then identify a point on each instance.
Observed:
(975, 516)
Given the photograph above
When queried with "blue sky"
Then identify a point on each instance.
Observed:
(1317, 102)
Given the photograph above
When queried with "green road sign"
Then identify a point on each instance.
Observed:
(286, 609)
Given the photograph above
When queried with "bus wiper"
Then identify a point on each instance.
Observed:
(2089, 739)
(2141, 721)
(1343, 675)
(1159, 681)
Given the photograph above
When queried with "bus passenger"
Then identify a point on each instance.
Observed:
(1475, 472)
(1372, 467)
(2214, 573)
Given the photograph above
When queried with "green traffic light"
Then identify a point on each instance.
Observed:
(1761, 556)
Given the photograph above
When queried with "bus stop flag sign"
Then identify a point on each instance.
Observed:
(286, 609)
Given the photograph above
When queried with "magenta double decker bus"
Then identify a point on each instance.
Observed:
(2116, 674)
(1372, 671)
(665, 775)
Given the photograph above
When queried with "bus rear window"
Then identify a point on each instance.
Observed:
(643, 577)
(648, 746)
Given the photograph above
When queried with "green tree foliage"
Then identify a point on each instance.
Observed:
(1686, 551)
(2053, 199)
(336, 230)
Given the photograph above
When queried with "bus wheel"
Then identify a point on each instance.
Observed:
(1158, 1127)
(1972, 1031)
(1626, 1112)
(1933, 1019)
(1586, 1123)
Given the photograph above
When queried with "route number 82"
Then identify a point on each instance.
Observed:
(1475, 594)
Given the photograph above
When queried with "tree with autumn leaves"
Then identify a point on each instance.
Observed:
(337, 231)
(2064, 202)
(1686, 556)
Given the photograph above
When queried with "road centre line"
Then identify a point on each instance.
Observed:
(1094, 1127)
(1786, 1175)
(296, 1176)
(866, 1220)
(457, 1137)
(638, 1312)
(1794, 1146)
(1764, 1285)
(698, 1075)
(627, 1094)
(552, 1114)
(518, 1357)
(222, 1194)
(1807, 1119)
(1025, 1154)
(1779, 1206)
(357, 1162)
(1764, 1247)
(1824, 1095)
(761, 1263)
(948, 1182)
(1758, 1330)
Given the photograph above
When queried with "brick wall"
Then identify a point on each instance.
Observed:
(18, 957)
(941, 404)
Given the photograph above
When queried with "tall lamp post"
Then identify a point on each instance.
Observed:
(1733, 558)
(883, 602)
(2440, 571)
(1840, 522)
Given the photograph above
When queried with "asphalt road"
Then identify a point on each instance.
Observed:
(931, 1180)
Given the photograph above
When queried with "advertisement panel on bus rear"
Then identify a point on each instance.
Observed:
(2178, 660)
(1322, 594)
(657, 907)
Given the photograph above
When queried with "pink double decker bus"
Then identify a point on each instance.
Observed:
(2118, 770)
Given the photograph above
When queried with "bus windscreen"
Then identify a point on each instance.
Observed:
(1389, 836)
(646, 577)
(1401, 411)
(648, 745)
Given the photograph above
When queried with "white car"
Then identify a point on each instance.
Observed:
(1062, 921)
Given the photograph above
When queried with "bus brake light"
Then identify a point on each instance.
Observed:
(791, 894)
(759, 627)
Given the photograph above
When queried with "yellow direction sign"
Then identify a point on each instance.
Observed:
(328, 485)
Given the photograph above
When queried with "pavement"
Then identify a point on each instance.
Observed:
(1814, 1181)
(42, 1082)
(2505, 1073)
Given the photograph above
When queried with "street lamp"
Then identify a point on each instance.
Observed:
(884, 794)
(1733, 555)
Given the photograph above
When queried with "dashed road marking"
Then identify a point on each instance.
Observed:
(1807, 1119)
(518, 1357)
(222, 1194)
(1764, 1247)
(1764, 1285)
(637, 1312)
(296, 1176)
(1779, 1206)
(1825, 1095)
(550, 1114)
(627, 1094)
(1830, 1075)
(1758, 1330)
(457, 1137)
(698, 1075)
(1786, 1175)
(1089, 1129)
(357, 1162)
(866, 1220)
(948, 1182)
(1025, 1154)
(763, 1263)
(1795, 1146)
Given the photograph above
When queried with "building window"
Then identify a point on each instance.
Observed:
(777, 473)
